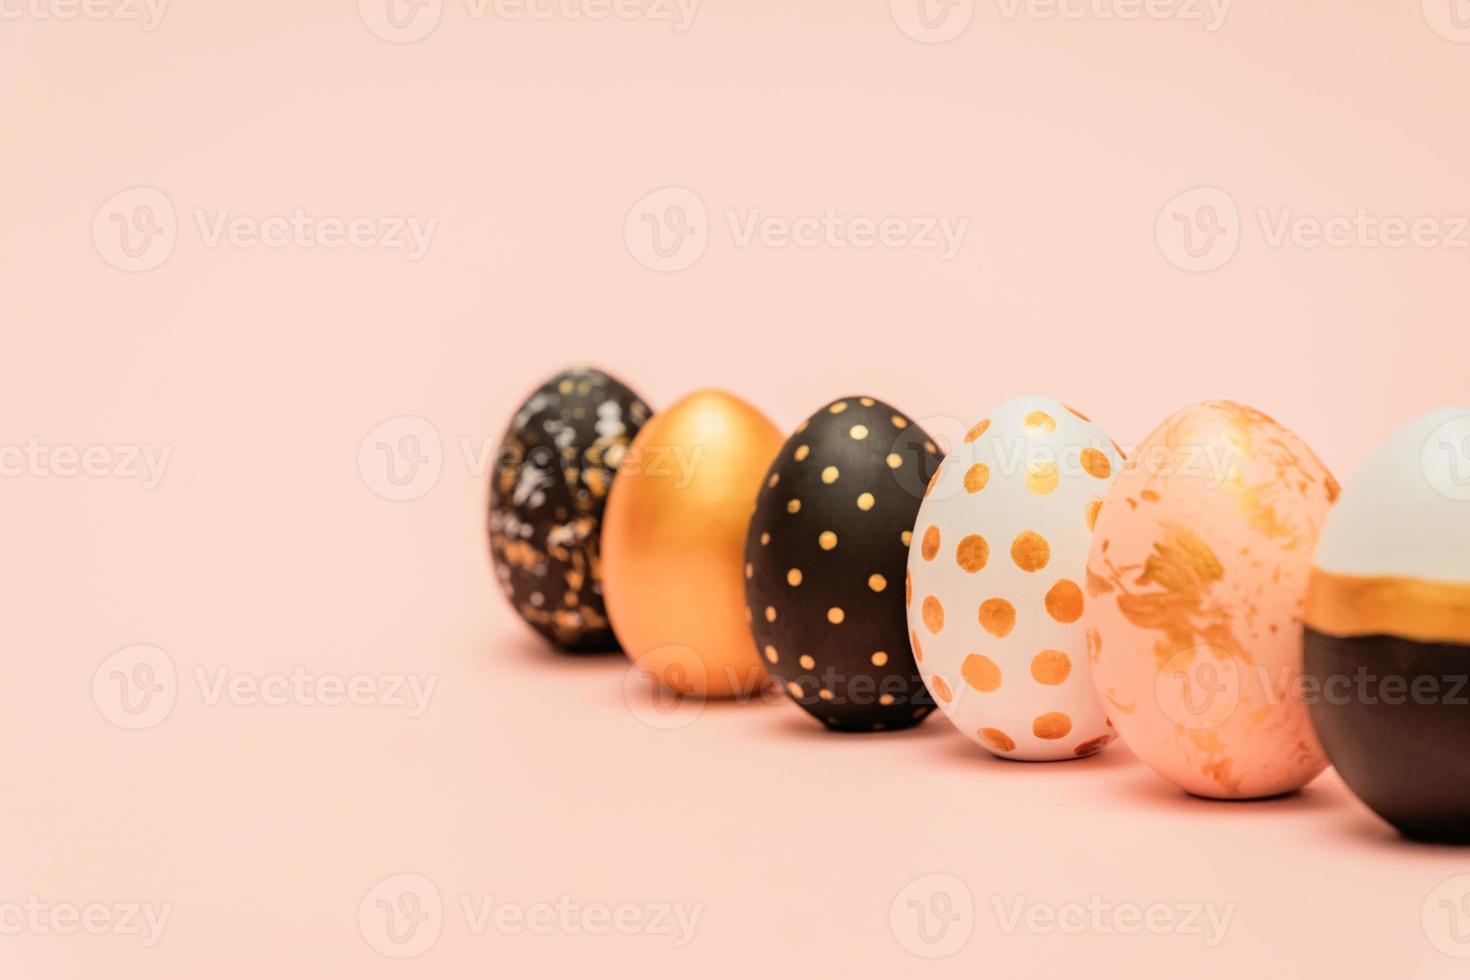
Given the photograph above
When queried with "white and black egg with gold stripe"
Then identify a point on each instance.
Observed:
(555, 465)
(826, 556)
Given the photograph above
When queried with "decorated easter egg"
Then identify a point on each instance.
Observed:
(674, 544)
(547, 493)
(996, 568)
(1196, 585)
(824, 565)
(1388, 630)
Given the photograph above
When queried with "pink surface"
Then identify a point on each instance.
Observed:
(519, 148)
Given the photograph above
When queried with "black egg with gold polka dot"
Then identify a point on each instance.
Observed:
(554, 468)
(825, 565)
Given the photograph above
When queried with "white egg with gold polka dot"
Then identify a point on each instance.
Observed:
(996, 583)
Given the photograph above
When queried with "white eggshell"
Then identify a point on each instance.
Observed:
(997, 568)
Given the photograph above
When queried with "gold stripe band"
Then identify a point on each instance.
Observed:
(1414, 609)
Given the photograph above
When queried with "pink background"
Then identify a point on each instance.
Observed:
(265, 547)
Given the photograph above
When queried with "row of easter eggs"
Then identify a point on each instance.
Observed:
(1047, 594)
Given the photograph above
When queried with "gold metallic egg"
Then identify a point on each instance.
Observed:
(673, 543)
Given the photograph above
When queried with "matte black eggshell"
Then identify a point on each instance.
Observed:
(826, 558)
(547, 493)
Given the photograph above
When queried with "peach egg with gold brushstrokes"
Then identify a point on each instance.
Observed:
(1196, 585)
(995, 591)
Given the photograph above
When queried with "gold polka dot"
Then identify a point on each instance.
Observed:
(1094, 506)
(941, 689)
(793, 506)
(1030, 551)
(824, 694)
(930, 546)
(770, 614)
(829, 475)
(877, 582)
(858, 432)
(1064, 601)
(865, 501)
(775, 479)
(879, 659)
(929, 487)
(1050, 667)
(907, 537)
(972, 553)
(866, 402)
(1052, 725)
(899, 422)
(827, 540)
(835, 615)
(885, 699)
(933, 614)
(1038, 424)
(997, 739)
(916, 646)
(908, 589)
(998, 617)
(978, 430)
(933, 449)
(837, 408)
(806, 661)
(794, 689)
(765, 537)
(802, 452)
(1092, 746)
(749, 570)
(793, 576)
(771, 654)
(894, 461)
(1094, 644)
(1096, 463)
(981, 673)
(976, 477)
(1041, 477)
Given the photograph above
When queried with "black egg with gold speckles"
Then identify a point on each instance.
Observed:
(826, 558)
(547, 493)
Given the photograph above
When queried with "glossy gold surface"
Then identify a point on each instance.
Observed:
(1412, 609)
(673, 543)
